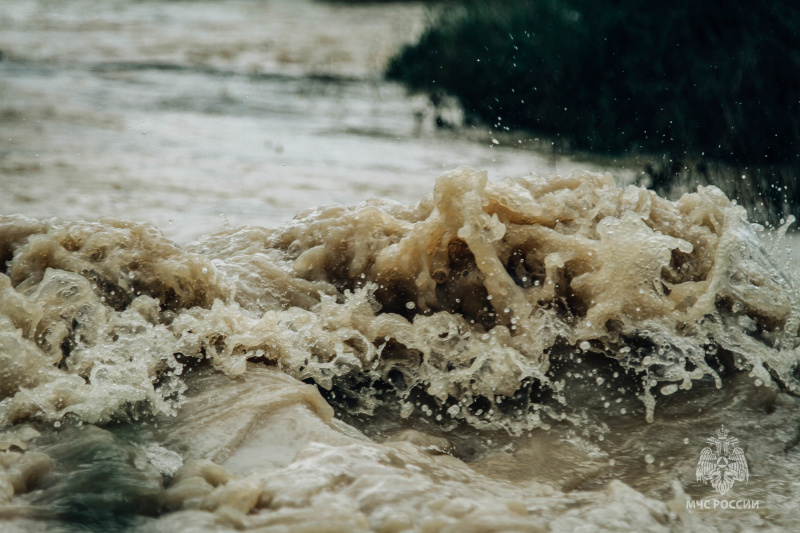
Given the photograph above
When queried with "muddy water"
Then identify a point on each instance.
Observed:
(452, 351)
(194, 115)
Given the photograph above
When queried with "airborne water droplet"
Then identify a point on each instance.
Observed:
(669, 389)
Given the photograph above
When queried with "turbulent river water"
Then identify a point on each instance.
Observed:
(246, 286)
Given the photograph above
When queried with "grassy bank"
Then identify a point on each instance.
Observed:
(712, 81)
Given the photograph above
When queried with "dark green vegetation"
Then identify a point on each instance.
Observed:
(712, 82)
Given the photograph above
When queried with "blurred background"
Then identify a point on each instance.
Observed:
(696, 92)
(197, 114)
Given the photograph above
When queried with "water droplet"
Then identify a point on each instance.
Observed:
(669, 389)
(649, 459)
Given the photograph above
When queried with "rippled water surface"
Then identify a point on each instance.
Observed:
(243, 287)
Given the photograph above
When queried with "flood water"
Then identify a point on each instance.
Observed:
(179, 113)
(243, 287)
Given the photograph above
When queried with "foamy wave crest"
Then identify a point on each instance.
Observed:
(466, 298)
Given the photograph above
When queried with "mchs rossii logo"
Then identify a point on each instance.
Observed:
(722, 463)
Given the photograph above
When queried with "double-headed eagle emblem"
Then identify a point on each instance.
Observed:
(723, 465)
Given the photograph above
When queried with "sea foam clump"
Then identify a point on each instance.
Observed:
(466, 298)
